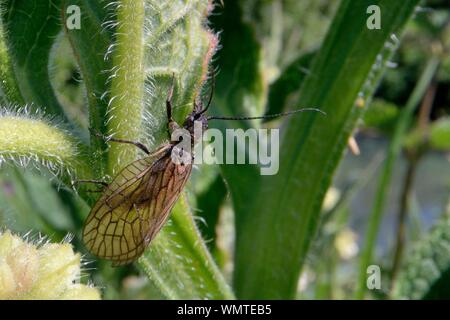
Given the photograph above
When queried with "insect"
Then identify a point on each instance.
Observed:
(136, 204)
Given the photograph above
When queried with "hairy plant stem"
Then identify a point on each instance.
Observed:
(24, 139)
(127, 86)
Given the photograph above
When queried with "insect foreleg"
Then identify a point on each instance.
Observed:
(137, 144)
(103, 183)
(169, 100)
(95, 191)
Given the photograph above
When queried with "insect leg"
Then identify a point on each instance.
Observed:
(135, 143)
(95, 191)
(169, 100)
(103, 183)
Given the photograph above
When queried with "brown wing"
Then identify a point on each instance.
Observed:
(134, 207)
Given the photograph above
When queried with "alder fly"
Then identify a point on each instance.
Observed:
(136, 204)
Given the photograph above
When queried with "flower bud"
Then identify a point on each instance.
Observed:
(49, 271)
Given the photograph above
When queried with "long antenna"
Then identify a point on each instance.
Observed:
(276, 115)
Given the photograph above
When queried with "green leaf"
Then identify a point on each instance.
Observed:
(180, 264)
(30, 29)
(90, 45)
(208, 194)
(276, 217)
(288, 83)
(29, 202)
(209, 203)
(177, 43)
(45, 201)
(10, 92)
(426, 271)
(16, 211)
(240, 90)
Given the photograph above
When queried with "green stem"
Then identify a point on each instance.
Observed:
(402, 216)
(385, 178)
(24, 139)
(127, 86)
(94, 69)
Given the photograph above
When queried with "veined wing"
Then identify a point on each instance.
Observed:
(134, 207)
